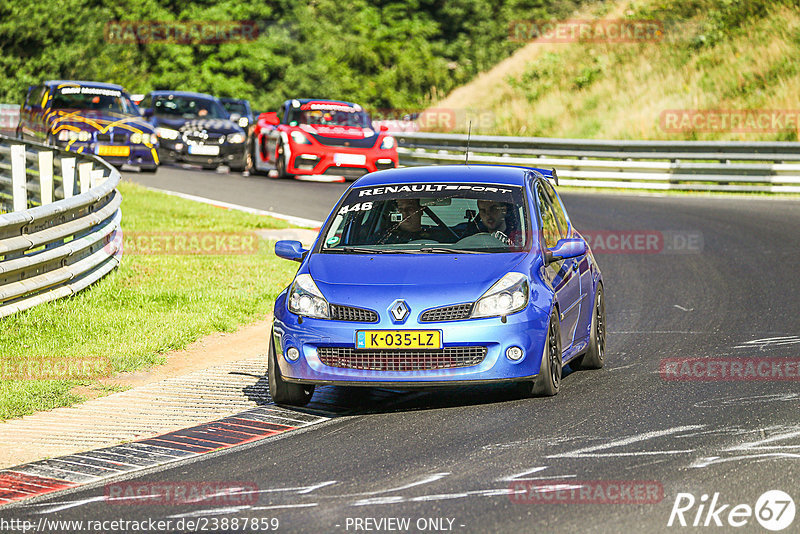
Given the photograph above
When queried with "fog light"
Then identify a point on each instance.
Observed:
(514, 353)
(292, 354)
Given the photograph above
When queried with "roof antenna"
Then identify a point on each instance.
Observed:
(469, 133)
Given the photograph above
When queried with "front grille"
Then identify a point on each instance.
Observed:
(208, 139)
(356, 315)
(446, 313)
(364, 142)
(401, 360)
(347, 172)
(111, 137)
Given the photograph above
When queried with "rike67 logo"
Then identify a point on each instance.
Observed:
(774, 510)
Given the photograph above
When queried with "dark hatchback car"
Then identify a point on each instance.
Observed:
(89, 118)
(195, 128)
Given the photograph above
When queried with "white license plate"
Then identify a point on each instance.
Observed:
(350, 159)
(204, 150)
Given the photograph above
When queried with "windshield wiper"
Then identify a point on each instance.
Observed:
(444, 250)
(355, 250)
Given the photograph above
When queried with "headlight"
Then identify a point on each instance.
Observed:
(167, 133)
(305, 298)
(148, 139)
(136, 138)
(243, 122)
(84, 136)
(73, 136)
(388, 142)
(299, 138)
(236, 138)
(63, 135)
(506, 296)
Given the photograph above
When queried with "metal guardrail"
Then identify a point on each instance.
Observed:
(711, 166)
(59, 229)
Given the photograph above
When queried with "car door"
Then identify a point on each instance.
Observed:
(582, 264)
(562, 274)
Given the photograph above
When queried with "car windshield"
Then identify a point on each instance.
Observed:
(330, 115)
(94, 98)
(235, 107)
(188, 107)
(430, 218)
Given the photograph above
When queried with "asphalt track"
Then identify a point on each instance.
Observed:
(446, 460)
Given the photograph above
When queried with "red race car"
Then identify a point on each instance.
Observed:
(327, 138)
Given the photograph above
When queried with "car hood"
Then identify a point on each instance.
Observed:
(98, 120)
(210, 125)
(426, 279)
(340, 132)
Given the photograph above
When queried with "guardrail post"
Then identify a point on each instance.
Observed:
(46, 177)
(68, 176)
(97, 177)
(19, 189)
(85, 175)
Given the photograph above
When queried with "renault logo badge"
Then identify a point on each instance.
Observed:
(399, 311)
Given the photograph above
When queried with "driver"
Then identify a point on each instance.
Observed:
(494, 217)
(410, 228)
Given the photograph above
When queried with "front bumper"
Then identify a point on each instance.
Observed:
(525, 329)
(137, 155)
(228, 153)
(339, 161)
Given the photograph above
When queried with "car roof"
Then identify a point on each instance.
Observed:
(162, 92)
(494, 174)
(307, 100)
(103, 85)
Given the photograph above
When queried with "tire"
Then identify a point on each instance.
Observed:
(283, 392)
(596, 351)
(548, 382)
(280, 164)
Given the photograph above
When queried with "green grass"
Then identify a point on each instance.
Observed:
(150, 305)
(714, 55)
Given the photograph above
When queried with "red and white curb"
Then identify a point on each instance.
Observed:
(46, 476)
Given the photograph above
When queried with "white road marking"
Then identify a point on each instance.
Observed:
(682, 308)
(66, 505)
(590, 452)
(280, 506)
(299, 221)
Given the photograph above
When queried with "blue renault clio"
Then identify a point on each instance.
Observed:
(439, 276)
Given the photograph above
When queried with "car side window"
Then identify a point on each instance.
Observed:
(550, 229)
(146, 103)
(558, 210)
(35, 95)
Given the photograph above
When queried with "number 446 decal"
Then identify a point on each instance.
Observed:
(362, 206)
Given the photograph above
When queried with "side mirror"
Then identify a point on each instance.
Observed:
(147, 113)
(566, 249)
(290, 250)
(270, 117)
